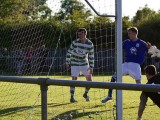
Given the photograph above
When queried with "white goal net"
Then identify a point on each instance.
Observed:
(37, 47)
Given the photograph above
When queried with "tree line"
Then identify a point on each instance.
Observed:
(59, 28)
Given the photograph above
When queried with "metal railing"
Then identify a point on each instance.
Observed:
(45, 82)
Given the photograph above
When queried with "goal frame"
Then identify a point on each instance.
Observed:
(118, 38)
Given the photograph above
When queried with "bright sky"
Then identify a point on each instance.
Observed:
(129, 7)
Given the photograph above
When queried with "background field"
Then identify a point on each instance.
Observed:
(22, 102)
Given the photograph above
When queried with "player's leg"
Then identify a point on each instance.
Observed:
(135, 72)
(88, 75)
(113, 79)
(138, 81)
(109, 97)
(74, 74)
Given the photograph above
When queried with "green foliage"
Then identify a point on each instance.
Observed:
(126, 24)
(62, 26)
(150, 29)
(74, 11)
(143, 14)
(11, 10)
(17, 11)
(5, 37)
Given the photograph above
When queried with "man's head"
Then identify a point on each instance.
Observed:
(132, 33)
(82, 32)
(150, 71)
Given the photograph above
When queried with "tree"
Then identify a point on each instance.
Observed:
(71, 16)
(126, 24)
(23, 10)
(142, 15)
(38, 9)
(149, 30)
(70, 9)
(12, 10)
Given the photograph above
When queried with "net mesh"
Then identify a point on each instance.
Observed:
(38, 49)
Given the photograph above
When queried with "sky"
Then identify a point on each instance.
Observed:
(129, 7)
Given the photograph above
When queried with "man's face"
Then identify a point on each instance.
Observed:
(132, 34)
(81, 35)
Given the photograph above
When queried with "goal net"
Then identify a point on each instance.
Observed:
(37, 46)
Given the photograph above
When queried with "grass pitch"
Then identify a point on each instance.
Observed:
(23, 102)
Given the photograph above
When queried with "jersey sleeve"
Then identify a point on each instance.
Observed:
(69, 52)
(91, 57)
(144, 45)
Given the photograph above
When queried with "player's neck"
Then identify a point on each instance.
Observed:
(134, 39)
(83, 40)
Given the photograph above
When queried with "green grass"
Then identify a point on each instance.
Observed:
(22, 101)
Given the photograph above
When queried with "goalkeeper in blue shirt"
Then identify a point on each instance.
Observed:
(135, 53)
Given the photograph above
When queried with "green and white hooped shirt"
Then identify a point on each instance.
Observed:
(81, 54)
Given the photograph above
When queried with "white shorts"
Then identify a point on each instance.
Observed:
(76, 70)
(132, 69)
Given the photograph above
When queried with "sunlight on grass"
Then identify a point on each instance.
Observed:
(23, 101)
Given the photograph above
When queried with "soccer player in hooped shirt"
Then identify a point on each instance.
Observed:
(135, 53)
(80, 57)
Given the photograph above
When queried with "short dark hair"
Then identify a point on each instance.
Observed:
(150, 70)
(133, 29)
(82, 30)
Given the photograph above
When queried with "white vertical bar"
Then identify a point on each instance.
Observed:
(119, 110)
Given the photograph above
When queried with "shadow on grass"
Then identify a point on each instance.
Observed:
(57, 104)
(138, 106)
(74, 114)
(13, 110)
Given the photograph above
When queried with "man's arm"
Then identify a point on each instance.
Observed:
(91, 59)
(142, 105)
(68, 56)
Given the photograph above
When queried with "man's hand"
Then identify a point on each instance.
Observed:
(67, 66)
(90, 70)
(148, 45)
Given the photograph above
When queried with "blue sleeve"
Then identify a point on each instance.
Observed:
(124, 44)
(144, 45)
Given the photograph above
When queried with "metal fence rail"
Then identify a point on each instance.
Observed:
(45, 82)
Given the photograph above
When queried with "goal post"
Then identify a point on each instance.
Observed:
(119, 100)
(118, 38)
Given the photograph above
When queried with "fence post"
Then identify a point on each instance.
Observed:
(44, 88)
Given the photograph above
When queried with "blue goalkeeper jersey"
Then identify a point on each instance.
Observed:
(135, 51)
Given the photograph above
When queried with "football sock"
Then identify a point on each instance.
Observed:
(111, 90)
(86, 91)
(72, 89)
